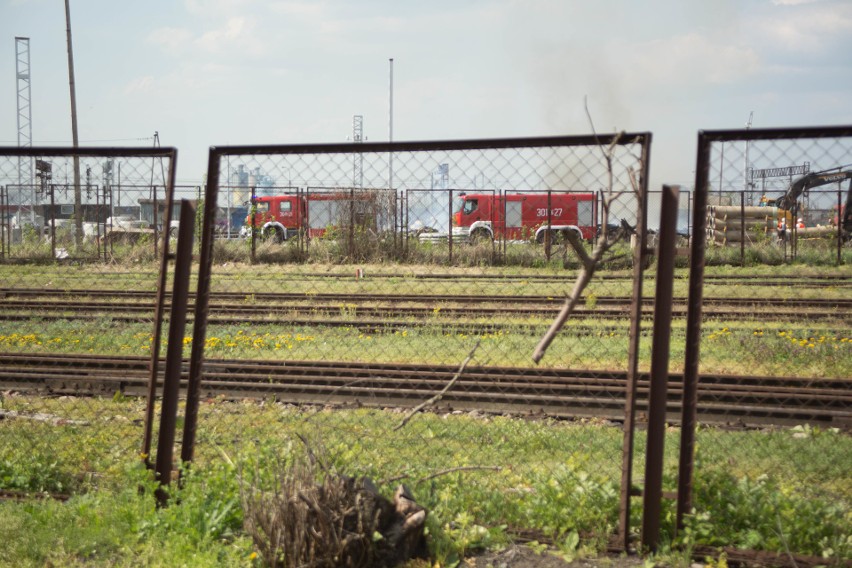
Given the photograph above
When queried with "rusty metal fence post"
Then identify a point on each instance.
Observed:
(159, 309)
(742, 229)
(5, 228)
(450, 229)
(548, 236)
(174, 351)
(202, 306)
(660, 370)
(631, 387)
(840, 227)
(689, 406)
(253, 232)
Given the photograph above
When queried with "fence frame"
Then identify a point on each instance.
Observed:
(640, 253)
(702, 190)
(170, 154)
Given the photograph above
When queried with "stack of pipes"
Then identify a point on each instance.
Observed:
(725, 223)
(819, 232)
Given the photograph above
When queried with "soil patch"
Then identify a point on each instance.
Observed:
(522, 556)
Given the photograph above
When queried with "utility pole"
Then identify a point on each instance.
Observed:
(746, 185)
(78, 201)
(357, 138)
(390, 127)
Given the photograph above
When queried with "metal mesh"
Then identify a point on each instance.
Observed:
(379, 304)
(778, 323)
(776, 346)
(370, 295)
(79, 273)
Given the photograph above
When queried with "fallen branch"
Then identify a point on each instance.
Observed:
(441, 394)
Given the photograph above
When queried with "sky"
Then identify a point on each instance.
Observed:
(219, 72)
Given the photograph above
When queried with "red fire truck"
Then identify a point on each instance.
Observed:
(282, 217)
(525, 216)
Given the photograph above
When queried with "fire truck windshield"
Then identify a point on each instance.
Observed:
(262, 206)
(470, 205)
(458, 203)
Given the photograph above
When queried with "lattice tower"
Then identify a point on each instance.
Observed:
(25, 129)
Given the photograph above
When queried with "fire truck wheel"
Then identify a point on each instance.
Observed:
(563, 235)
(479, 235)
(273, 234)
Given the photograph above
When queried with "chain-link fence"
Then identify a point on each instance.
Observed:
(407, 286)
(776, 344)
(772, 201)
(83, 236)
(379, 306)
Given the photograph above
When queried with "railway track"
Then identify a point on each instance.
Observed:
(254, 307)
(724, 400)
(810, 281)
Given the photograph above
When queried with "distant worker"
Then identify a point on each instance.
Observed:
(782, 229)
(763, 201)
(800, 224)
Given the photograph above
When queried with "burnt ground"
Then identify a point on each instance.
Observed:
(525, 557)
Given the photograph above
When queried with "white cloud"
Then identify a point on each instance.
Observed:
(312, 10)
(216, 8)
(170, 38)
(690, 59)
(807, 29)
(238, 33)
(139, 85)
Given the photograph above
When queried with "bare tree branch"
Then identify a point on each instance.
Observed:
(590, 263)
(440, 395)
(605, 243)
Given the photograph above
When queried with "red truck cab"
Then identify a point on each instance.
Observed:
(277, 217)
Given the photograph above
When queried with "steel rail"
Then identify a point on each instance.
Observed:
(285, 317)
(724, 399)
(289, 308)
(390, 303)
(260, 297)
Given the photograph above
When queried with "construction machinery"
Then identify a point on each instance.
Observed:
(788, 203)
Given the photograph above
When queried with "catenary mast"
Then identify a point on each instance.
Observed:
(25, 110)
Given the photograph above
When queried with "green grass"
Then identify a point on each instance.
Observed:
(772, 490)
(822, 350)
(253, 281)
(119, 526)
(766, 490)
